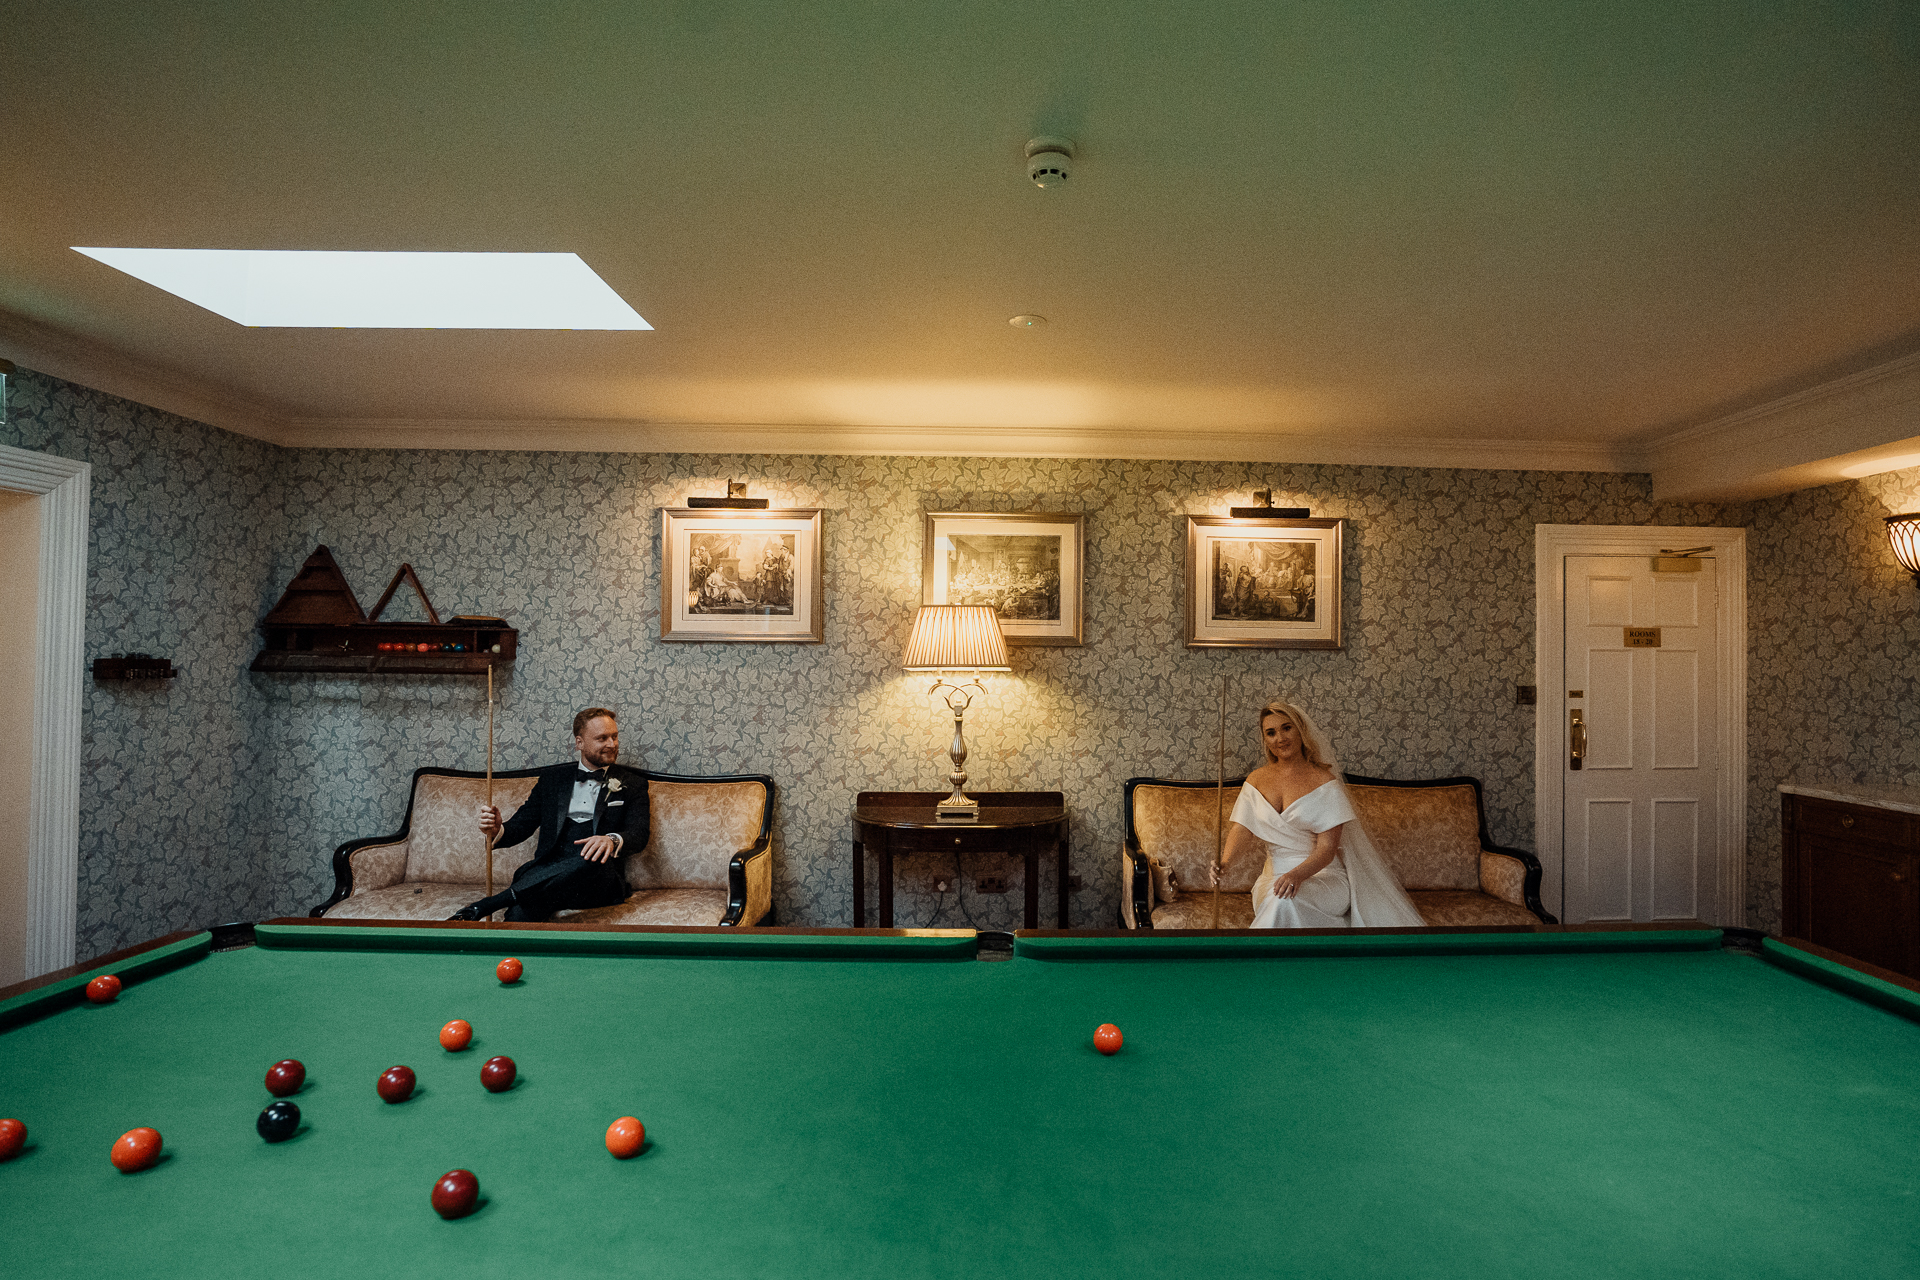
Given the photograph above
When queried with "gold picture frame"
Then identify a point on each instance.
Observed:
(741, 577)
(1029, 565)
(1267, 583)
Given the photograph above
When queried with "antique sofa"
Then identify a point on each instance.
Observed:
(709, 858)
(1432, 833)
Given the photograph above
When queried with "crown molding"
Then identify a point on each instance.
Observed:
(1843, 429)
(87, 363)
(1839, 430)
(595, 436)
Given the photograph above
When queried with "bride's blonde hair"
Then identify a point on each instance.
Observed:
(1311, 749)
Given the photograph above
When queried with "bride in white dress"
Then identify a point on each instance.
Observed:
(1322, 870)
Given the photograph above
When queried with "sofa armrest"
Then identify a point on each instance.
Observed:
(750, 885)
(362, 866)
(1136, 886)
(1513, 875)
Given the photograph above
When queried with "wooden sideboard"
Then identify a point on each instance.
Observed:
(1852, 871)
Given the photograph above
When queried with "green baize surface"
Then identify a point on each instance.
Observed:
(1694, 1113)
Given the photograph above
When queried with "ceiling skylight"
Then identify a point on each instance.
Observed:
(321, 289)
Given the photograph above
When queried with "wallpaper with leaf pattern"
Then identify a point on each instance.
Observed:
(1833, 629)
(174, 792)
(223, 794)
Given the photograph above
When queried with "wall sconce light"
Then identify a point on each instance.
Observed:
(1904, 533)
(956, 637)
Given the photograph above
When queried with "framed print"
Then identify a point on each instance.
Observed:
(1026, 564)
(1263, 584)
(741, 577)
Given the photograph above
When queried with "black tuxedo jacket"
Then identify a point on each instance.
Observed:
(621, 812)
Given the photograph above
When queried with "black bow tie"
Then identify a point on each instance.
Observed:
(593, 775)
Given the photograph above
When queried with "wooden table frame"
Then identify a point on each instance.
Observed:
(1022, 822)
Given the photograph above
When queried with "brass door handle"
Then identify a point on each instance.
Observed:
(1578, 750)
(1846, 819)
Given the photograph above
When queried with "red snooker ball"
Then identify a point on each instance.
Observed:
(396, 1084)
(508, 970)
(456, 1035)
(285, 1077)
(455, 1193)
(13, 1136)
(497, 1075)
(103, 989)
(1106, 1038)
(625, 1137)
(137, 1149)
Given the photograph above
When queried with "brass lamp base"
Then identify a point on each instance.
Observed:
(957, 808)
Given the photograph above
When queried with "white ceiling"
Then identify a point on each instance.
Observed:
(1628, 236)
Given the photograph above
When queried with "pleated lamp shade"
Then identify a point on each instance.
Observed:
(956, 637)
(1904, 533)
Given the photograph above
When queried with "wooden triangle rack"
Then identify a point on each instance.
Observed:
(405, 571)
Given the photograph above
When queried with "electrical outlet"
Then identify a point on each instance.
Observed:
(1074, 884)
(990, 884)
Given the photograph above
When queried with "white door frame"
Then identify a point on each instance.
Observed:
(53, 813)
(1552, 544)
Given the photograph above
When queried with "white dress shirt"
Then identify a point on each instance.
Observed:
(586, 798)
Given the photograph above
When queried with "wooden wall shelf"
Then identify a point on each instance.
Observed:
(355, 648)
(133, 666)
(318, 626)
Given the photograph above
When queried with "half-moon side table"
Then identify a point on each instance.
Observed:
(1022, 822)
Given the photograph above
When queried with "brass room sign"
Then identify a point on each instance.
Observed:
(1642, 637)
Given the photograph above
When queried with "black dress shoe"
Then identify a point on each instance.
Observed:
(472, 912)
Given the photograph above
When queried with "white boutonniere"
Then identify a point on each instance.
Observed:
(613, 784)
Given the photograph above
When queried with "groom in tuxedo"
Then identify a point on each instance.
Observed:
(588, 813)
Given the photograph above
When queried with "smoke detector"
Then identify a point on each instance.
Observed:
(1049, 161)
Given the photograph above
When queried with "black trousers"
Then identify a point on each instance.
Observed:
(565, 881)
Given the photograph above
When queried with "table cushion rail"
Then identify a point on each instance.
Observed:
(1281, 944)
(48, 993)
(555, 938)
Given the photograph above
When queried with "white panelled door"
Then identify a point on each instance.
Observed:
(1639, 810)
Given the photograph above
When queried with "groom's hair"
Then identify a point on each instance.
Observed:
(591, 713)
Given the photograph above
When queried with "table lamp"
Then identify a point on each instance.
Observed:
(956, 637)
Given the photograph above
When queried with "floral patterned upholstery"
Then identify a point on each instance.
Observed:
(1469, 906)
(657, 906)
(1195, 911)
(379, 866)
(1430, 836)
(424, 900)
(682, 876)
(444, 843)
(693, 822)
(1504, 877)
(1176, 826)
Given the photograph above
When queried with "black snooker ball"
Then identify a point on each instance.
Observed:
(278, 1121)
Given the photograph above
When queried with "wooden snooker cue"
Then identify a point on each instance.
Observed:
(1220, 805)
(489, 775)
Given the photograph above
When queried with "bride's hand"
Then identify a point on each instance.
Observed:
(1285, 886)
(1213, 875)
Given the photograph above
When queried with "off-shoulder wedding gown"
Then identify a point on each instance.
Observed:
(1356, 889)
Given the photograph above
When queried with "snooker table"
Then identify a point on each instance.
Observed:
(869, 1103)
